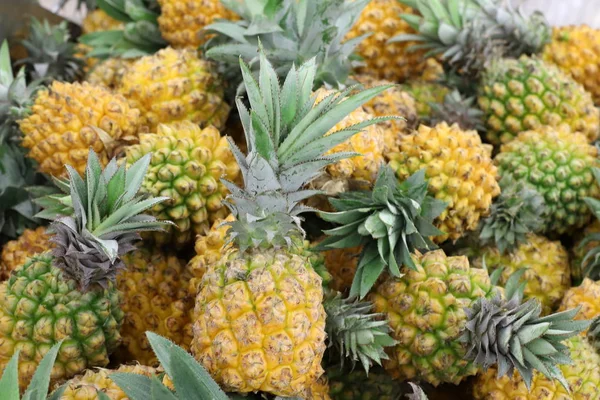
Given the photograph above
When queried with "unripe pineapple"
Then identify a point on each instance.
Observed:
(557, 163)
(109, 73)
(358, 385)
(68, 119)
(187, 166)
(583, 377)
(460, 172)
(16, 252)
(576, 51)
(182, 22)
(88, 385)
(585, 295)
(175, 85)
(342, 264)
(546, 265)
(382, 20)
(426, 311)
(527, 94)
(98, 20)
(155, 299)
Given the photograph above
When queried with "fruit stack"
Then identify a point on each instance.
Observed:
(307, 199)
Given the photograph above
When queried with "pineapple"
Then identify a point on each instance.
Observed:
(68, 119)
(98, 20)
(584, 295)
(460, 172)
(182, 22)
(576, 51)
(425, 93)
(583, 378)
(342, 264)
(557, 163)
(175, 85)
(16, 252)
(382, 20)
(71, 289)
(358, 385)
(109, 73)
(187, 166)
(259, 323)
(318, 390)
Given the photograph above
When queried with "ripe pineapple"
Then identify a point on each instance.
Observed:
(68, 119)
(342, 264)
(69, 294)
(98, 20)
(16, 252)
(182, 22)
(576, 51)
(175, 85)
(392, 61)
(546, 265)
(187, 165)
(259, 321)
(583, 377)
(585, 295)
(109, 73)
(460, 172)
(557, 163)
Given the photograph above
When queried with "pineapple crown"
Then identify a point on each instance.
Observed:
(287, 137)
(51, 54)
(391, 221)
(518, 211)
(468, 33)
(291, 32)
(417, 394)
(355, 332)
(140, 37)
(457, 109)
(591, 262)
(511, 334)
(98, 219)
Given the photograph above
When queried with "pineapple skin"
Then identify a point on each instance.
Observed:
(576, 51)
(426, 311)
(187, 165)
(88, 385)
(583, 378)
(342, 264)
(175, 85)
(585, 295)
(181, 22)
(98, 20)
(558, 164)
(259, 323)
(391, 61)
(109, 73)
(16, 252)
(39, 306)
(68, 119)
(547, 268)
(460, 172)
(527, 94)
(155, 298)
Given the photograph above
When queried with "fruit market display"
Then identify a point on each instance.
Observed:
(300, 199)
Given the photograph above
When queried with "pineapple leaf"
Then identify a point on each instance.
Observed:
(9, 382)
(38, 387)
(135, 386)
(161, 392)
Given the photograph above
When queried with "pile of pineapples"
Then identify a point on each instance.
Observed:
(303, 199)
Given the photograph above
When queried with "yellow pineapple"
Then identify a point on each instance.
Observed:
(68, 119)
(585, 295)
(110, 72)
(392, 61)
(98, 20)
(342, 264)
(16, 252)
(175, 85)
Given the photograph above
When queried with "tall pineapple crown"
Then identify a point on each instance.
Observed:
(98, 219)
(291, 32)
(287, 137)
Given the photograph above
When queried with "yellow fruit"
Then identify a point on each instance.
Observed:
(585, 295)
(576, 50)
(260, 324)
(341, 264)
(583, 378)
(109, 73)
(68, 119)
(88, 385)
(433, 71)
(181, 21)
(98, 20)
(175, 85)
(392, 61)
(547, 268)
(460, 172)
(16, 252)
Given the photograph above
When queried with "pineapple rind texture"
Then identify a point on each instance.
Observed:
(460, 172)
(558, 164)
(526, 94)
(576, 51)
(69, 119)
(546, 264)
(585, 295)
(98, 20)
(40, 305)
(342, 264)
(583, 377)
(260, 324)
(175, 85)
(187, 166)
(426, 311)
(16, 252)
(109, 73)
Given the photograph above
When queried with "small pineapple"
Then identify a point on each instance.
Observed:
(16, 252)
